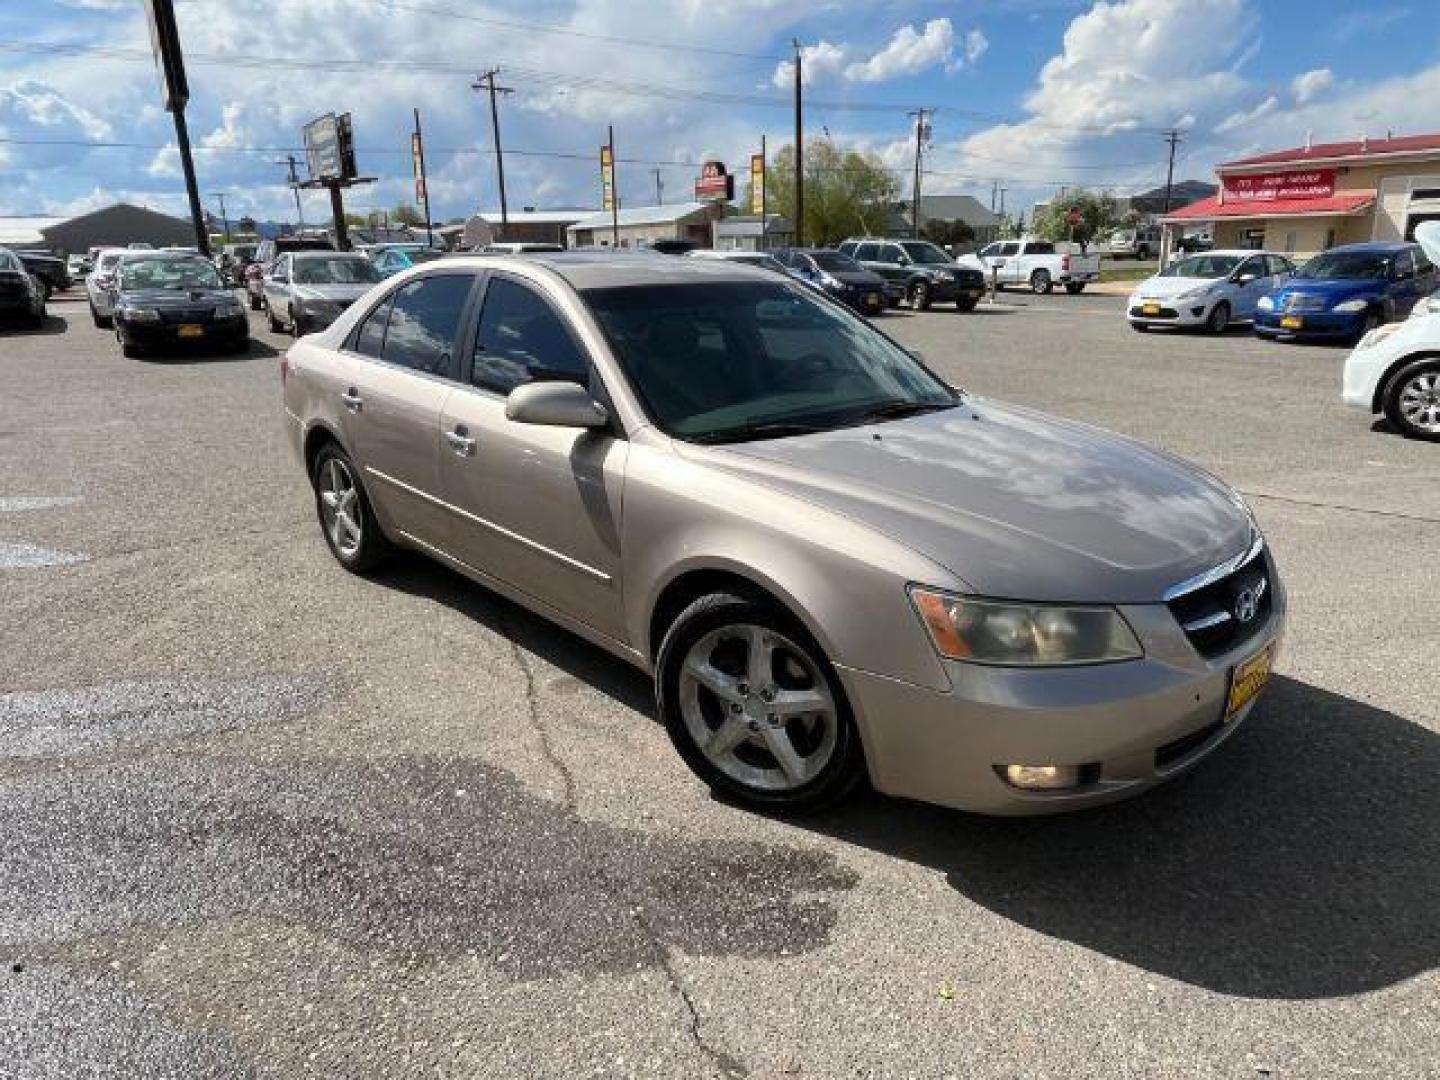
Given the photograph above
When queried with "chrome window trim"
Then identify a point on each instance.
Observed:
(1215, 573)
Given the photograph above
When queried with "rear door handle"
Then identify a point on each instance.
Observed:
(352, 400)
(460, 442)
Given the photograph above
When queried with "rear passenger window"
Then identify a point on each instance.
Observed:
(521, 339)
(867, 252)
(423, 321)
(889, 253)
(1043, 247)
(1009, 249)
(370, 338)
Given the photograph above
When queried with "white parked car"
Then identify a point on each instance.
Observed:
(1395, 369)
(101, 282)
(1213, 290)
(1039, 264)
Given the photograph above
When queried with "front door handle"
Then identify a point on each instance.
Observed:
(352, 400)
(460, 442)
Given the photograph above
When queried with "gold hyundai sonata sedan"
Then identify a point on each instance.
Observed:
(834, 564)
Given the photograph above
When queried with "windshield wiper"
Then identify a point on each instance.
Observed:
(775, 429)
(896, 410)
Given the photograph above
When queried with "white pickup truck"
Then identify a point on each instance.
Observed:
(1039, 264)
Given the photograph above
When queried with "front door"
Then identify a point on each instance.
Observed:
(408, 370)
(537, 507)
(1245, 296)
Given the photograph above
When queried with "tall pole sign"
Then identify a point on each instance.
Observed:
(165, 40)
(422, 189)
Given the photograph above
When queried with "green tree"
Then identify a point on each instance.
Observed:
(945, 233)
(1098, 215)
(406, 214)
(846, 192)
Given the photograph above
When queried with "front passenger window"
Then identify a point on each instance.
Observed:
(423, 321)
(521, 339)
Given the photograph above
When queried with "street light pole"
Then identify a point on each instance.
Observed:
(919, 116)
(799, 150)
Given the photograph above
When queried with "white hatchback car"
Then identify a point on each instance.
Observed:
(1395, 369)
(1213, 290)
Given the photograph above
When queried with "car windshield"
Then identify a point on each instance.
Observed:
(1203, 266)
(928, 254)
(1346, 265)
(834, 261)
(340, 270)
(729, 362)
(169, 274)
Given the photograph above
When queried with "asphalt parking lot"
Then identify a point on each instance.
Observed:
(264, 818)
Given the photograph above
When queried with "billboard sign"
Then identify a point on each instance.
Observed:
(1267, 187)
(417, 162)
(607, 178)
(757, 183)
(322, 147)
(715, 184)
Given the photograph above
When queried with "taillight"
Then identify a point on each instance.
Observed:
(1065, 263)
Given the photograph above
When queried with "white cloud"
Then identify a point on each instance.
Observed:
(817, 63)
(908, 53)
(1244, 118)
(976, 45)
(1311, 84)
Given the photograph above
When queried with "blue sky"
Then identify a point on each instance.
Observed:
(1030, 93)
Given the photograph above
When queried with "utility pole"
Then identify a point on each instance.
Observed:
(224, 221)
(1002, 202)
(799, 150)
(165, 39)
(1173, 138)
(919, 115)
(418, 152)
(293, 162)
(614, 190)
(659, 188)
(487, 80)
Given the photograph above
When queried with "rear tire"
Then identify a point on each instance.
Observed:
(346, 520)
(966, 304)
(793, 761)
(275, 327)
(255, 304)
(295, 328)
(920, 296)
(1412, 400)
(1040, 282)
(1075, 288)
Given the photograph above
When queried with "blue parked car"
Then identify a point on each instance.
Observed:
(1346, 292)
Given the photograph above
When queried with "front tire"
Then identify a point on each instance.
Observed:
(1040, 282)
(255, 304)
(920, 296)
(346, 519)
(754, 707)
(1219, 318)
(275, 327)
(296, 331)
(1075, 288)
(966, 303)
(1412, 400)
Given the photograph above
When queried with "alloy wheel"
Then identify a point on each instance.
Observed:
(340, 507)
(1419, 400)
(758, 707)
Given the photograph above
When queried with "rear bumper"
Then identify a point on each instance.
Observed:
(1129, 726)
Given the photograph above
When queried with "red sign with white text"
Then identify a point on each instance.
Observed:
(1266, 187)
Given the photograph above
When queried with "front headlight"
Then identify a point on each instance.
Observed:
(1379, 334)
(1353, 305)
(140, 314)
(833, 284)
(1193, 295)
(1032, 635)
(1265, 304)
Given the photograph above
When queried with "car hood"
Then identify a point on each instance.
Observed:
(1162, 288)
(1333, 290)
(864, 279)
(173, 298)
(1015, 503)
(341, 293)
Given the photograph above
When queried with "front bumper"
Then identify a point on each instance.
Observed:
(1132, 725)
(230, 330)
(948, 289)
(1312, 324)
(1360, 382)
(1169, 311)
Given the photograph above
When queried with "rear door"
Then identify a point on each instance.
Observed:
(538, 507)
(889, 265)
(403, 368)
(276, 286)
(1007, 260)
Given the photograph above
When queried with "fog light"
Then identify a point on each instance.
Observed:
(1042, 777)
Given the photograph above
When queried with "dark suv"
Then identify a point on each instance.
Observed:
(917, 271)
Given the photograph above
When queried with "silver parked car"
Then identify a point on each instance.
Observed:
(306, 291)
(834, 564)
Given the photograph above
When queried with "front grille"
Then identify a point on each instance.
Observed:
(186, 315)
(1305, 302)
(1211, 614)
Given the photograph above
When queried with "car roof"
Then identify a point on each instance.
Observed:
(1377, 247)
(585, 269)
(322, 253)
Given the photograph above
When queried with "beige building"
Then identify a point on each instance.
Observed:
(642, 226)
(1321, 195)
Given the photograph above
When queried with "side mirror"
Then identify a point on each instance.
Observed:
(555, 404)
(1246, 279)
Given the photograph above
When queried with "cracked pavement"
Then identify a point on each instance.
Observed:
(260, 818)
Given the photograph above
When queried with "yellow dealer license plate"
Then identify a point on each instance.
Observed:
(190, 330)
(1150, 309)
(1248, 679)
(1292, 322)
